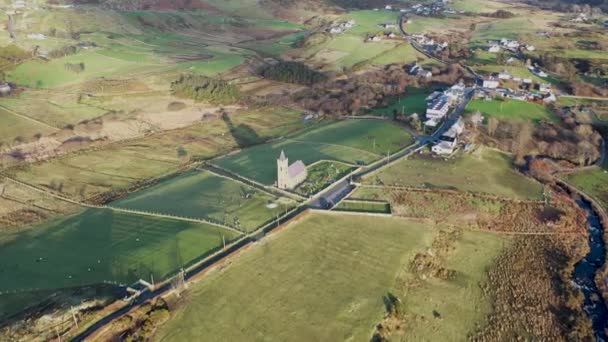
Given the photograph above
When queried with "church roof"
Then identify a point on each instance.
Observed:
(296, 168)
(282, 156)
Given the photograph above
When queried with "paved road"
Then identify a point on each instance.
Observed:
(339, 190)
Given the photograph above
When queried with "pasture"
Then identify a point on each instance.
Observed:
(483, 171)
(15, 127)
(413, 101)
(99, 245)
(306, 283)
(363, 206)
(348, 141)
(84, 176)
(593, 182)
(437, 309)
(511, 110)
(201, 194)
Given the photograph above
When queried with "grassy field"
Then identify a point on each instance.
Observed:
(371, 207)
(413, 101)
(346, 141)
(39, 74)
(593, 183)
(484, 171)
(15, 127)
(300, 285)
(449, 309)
(86, 175)
(98, 245)
(511, 110)
(201, 194)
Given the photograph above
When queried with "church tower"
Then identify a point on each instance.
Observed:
(282, 171)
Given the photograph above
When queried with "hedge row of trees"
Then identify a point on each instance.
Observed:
(292, 72)
(202, 88)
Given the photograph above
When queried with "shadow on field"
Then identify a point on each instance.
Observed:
(243, 134)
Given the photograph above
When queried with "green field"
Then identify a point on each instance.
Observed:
(83, 175)
(301, 285)
(13, 126)
(413, 101)
(101, 245)
(511, 110)
(346, 141)
(39, 74)
(371, 207)
(449, 310)
(594, 183)
(483, 171)
(201, 194)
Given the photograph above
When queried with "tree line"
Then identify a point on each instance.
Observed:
(203, 88)
(292, 72)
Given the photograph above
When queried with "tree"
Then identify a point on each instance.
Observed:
(492, 126)
(524, 136)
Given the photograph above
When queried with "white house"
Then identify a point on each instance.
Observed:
(494, 48)
(504, 75)
(36, 36)
(449, 140)
(438, 108)
(490, 83)
(545, 88)
(5, 88)
(455, 93)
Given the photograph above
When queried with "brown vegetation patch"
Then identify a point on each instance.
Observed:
(533, 299)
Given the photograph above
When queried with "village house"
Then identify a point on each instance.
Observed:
(5, 88)
(544, 88)
(290, 176)
(388, 25)
(455, 93)
(504, 75)
(494, 48)
(417, 70)
(438, 108)
(490, 83)
(449, 140)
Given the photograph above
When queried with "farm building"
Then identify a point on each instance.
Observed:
(289, 176)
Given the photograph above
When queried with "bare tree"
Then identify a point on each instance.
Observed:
(492, 125)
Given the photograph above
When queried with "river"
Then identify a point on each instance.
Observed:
(586, 269)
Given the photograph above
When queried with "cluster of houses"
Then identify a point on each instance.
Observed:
(379, 37)
(528, 90)
(431, 9)
(509, 45)
(429, 44)
(439, 103)
(417, 70)
(337, 28)
(448, 141)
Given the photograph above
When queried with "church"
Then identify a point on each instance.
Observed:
(289, 176)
